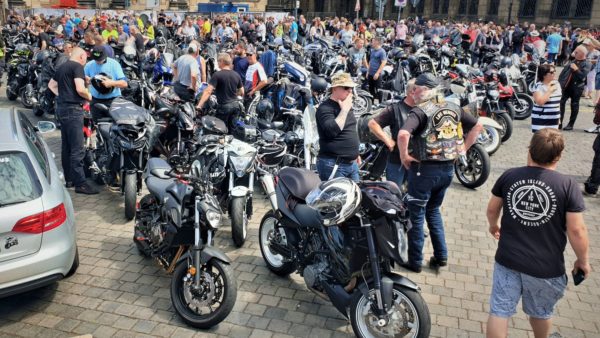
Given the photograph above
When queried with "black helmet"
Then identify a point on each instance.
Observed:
(395, 54)
(151, 44)
(97, 83)
(264, 110)
(41, 56)
(506, 62)
(272, 153)
(319, 84)
(503, 77)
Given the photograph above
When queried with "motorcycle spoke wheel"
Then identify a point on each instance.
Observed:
(477, 170)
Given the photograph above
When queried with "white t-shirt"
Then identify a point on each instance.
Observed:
(254, 75)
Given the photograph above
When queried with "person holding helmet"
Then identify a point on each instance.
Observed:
(338, 136)
(227, 85)
(186, 74)
(107, 79)
(435, 129)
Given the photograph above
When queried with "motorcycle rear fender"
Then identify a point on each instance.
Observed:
(486, 121)
(239, 191)
(208, 253)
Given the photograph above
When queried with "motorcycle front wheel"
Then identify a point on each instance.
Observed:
(477, 170)
(268, 233)
(26, 99)
(130, 192)
(507, 126)
(489, 138)
(523, 106)
(409, 316)
(239, 220)
(209, 304)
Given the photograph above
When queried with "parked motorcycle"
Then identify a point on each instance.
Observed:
(343, 239)
(176, 224)
(18, 72)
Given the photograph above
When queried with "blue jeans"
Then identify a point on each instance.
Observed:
(325, 167)
(395, 172)
(427, 185)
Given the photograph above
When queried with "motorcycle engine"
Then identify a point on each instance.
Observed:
(313, 273)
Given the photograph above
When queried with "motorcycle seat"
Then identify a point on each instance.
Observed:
(158, 186)
(299, 181)
(157, 167)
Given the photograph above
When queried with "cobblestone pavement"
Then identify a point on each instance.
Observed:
(118, 293)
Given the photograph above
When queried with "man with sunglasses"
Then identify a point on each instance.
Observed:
(112, 80)
(338, 135)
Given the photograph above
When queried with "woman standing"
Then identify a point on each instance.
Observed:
(546, 100)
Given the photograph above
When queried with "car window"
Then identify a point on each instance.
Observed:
(35, 145)
(18, 182)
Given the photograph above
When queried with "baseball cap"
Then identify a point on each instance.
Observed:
(427, 80)
(250, 50)
(99, 54)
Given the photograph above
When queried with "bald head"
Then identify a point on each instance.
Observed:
(580, 52)
(79, 55)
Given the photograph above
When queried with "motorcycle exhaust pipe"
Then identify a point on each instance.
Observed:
(269, 186)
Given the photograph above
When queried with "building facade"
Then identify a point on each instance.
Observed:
(182, 5)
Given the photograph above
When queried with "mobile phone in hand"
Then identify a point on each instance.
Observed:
(578, 276)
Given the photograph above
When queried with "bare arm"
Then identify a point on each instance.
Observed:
(405, 158)
(53, 86)
(541, 99)
(82, 90)
(376, 129)
(203, 69)
(578, 237)
(472, 135)
(259, 86)
(493, 215)
(240, 91)
(116, 83)
(205, 95)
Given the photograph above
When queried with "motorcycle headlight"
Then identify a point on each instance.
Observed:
(213, 218)
(494, 94)
(240, 164)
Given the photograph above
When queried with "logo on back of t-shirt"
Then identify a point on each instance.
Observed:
(531, 202)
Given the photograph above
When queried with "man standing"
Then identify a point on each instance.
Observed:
(376, 63)
(338, 136)
(240, 62)
(357, 57)
(68, 84)
(113, 80)
(541, 209)
(256, 78)
(186, 74)
(227, 85)
(572, 81)
(394, 116)
(437, 141)
(554, 42)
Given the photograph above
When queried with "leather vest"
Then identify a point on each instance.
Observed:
(442, 137)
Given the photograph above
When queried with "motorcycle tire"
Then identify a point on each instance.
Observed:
(26, 100)
(408, 305)
(10, 95)
(239, 220)
(477, 170)
(361, 105)
(524, 107)
(226, 285)
(130, 192)
(507, 126)
(489, 139)
(266, 232)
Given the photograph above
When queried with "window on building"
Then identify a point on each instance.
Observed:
(493, 7)
(435, 9)
(445, 5)
(462, 7)
(584, 8)
(561, 8)
(527, 8)
(473, 6)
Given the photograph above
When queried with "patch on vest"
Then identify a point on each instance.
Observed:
(446, 140)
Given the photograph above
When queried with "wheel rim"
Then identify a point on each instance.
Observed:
(474, 168)
(403, 319)
(502, 123)
(207, 298)
(524, 106)
(268, 233)
(360, 105)
(486, 139)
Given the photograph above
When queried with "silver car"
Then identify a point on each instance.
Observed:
(37, 223)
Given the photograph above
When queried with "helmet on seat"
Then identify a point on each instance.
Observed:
(336, 200)
(319, 84)
(264, 110)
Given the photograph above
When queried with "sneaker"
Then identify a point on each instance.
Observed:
(436, 263)
(86, 189)
(413, 268)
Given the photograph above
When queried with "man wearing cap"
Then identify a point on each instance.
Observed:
(435, 131)
(112, 78)
(256, 78)
(186, 74)
(338, 136)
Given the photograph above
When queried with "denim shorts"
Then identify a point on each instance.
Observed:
(540, 295)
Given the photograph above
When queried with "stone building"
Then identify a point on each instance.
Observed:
(184, 5)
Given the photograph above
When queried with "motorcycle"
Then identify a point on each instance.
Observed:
(18, 73)
(176, 224)
(123, 145)
(346, 261)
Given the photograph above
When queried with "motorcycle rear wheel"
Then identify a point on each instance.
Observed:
(507, 126)
(411, 316)
(477, 170)
(267, 233)
(130, 193)
(218, 281)
(523, 107)
(239, 220)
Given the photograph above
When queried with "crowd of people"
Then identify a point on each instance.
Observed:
(427, 177)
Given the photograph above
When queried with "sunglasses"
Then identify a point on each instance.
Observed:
(348, 88)
(552, 72)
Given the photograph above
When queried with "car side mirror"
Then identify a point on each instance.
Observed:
(45, 127)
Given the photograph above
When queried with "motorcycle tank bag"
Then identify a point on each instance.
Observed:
(126, 112)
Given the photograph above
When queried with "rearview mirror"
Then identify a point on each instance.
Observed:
(45, 127)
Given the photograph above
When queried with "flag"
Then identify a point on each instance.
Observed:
(357, 7)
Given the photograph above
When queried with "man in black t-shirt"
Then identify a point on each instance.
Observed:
(535, 202)
(68, 84)
(394, 116)
(338, 136)
(227, 85)
(43, 37)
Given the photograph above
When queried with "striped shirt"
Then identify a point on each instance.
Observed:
(548, 115)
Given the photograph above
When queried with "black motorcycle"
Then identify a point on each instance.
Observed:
(18, 74)
(175, 224)
(350, 263)
(124, 142)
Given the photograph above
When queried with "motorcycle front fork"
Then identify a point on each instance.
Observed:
(198, 245)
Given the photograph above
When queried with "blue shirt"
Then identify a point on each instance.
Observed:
(240, 66)
(377, 58)
(111, 68)
(553, 43)
(126, 28)
(269, 61)
(69, 28)
(294, 30)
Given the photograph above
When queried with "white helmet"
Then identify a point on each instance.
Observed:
(336, 200)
